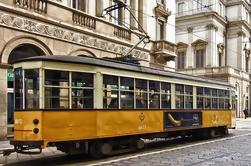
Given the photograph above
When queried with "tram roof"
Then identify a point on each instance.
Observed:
(119, 65)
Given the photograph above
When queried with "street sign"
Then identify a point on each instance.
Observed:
(10, 74)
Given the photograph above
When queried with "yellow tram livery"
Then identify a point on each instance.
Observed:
(103, 107)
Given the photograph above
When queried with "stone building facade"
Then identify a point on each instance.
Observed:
(213, 40)
(76, 28)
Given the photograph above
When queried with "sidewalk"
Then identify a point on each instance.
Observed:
(5, 145)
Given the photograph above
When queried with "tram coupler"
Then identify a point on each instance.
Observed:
(25, 146)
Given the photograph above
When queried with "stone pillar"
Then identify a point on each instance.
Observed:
(99, 8)
(3, 103)
(211, 53)
(240, 57)
(190, 53)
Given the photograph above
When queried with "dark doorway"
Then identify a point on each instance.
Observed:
(24, 51)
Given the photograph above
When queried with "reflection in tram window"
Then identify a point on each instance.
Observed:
(56, 78)
(141, 93)
(165, 95)
(82, 79)
(215, 99)
(126, 93)
(184, 96)
(207, 98)
(56, 97)
(154, 94)
(31, 78)
(82, 98)
(110, 92)
(212, 98)
(179, 96)
(57, 89)
(200, 103)
(188, 96)
(82, 90)
(18, 88)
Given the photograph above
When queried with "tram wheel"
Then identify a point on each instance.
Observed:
(105, 149)
(140, 144)
(212, 133)
(94, 150)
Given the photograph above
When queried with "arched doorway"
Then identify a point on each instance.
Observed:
(24, 51)
(19, 52)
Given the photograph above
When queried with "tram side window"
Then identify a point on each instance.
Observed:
(56, 89)
(141, 93)
(110, 92)
(82, 90)
(227, 100)
(126, 93)
(188, 96)
(179, 96)
(200, 103)
(18, 88)
(31, 78)
(207, 98)
(215, 99)
(154, 94)
(221, 99)
(165, 95)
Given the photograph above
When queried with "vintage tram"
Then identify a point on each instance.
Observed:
(103, 107)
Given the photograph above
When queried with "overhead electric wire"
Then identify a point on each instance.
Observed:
(233, 51)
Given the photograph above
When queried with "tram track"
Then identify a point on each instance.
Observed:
(153, 147)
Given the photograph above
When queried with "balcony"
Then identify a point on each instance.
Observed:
(164, 49)
(222, 72)
(68, 18)
(39, 6)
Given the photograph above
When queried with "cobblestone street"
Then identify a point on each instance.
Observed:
(231, 150)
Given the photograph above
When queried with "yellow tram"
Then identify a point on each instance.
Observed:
(103, 107)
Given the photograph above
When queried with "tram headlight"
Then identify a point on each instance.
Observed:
(35, 121)
(35, 130)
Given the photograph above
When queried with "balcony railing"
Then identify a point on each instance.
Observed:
(39, 6)
(122, 33)
(69, 16)
(165, 49)
(82, 19)
(163, 45)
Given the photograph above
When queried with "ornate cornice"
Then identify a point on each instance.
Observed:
(241, 33)
(199, 42)
(47, 30)
(181, 45)
(161, 11)
(190, 29)
(212, 26)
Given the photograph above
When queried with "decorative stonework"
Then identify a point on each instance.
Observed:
(199, 42)
(190, 29)
(40, 28)
(221, 47)
(212, 26)
(241, 33)
(247, 52)
(161, 11)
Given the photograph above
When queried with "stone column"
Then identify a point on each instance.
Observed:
(211, 53)
(99, 8)
(190, 53)
(3, 102)
(240, 57)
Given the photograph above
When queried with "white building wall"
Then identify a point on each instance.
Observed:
(170, 29)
